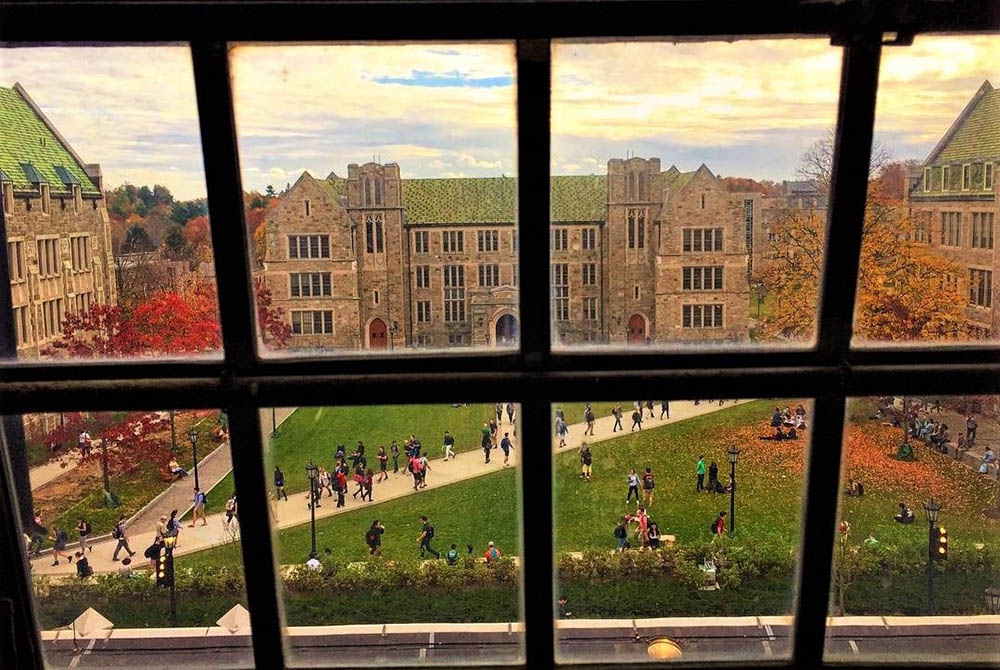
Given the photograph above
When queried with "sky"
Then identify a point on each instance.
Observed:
(747, 108)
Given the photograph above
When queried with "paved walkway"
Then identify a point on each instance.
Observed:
(294, 511)
(41, 475)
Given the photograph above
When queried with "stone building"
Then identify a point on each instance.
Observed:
(952, 198)
(638, 256)
(58, 233)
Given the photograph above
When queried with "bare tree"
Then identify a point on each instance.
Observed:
(817, 161)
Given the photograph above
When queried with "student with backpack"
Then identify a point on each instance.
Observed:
(449, 445)
(621, 534)
(383, 464)
(200, 500)
(59, 540)
(636, 420)
(452, 555)
(425, 537)
(414, 467)
(617, 413)
(648, 484)
(118, 533)
(373, 538)
(279, 484)
(586, 462)
(589, 417)
(506, 446)
(492, 553)
(341, 480)
(83, 529)
(230, 511)
(366, 484)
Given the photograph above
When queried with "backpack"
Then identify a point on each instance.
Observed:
(86, 528)
(620, 531)
(116, 532)
(647, 481)
(430, 531)
(714, 527)
(230, 504)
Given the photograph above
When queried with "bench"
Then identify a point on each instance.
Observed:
(168, 476)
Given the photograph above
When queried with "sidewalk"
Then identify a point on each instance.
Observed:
(41, 475)
(294, 511)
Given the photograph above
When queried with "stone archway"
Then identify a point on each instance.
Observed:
(377, 334)
(636, 329)
(506, 331)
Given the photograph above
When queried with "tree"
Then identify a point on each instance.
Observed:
(139, 276)
(274, 332)
(270, 192)
(137, 240)
(904, 291)
(199, 240)
(175, 246)
(744, 185)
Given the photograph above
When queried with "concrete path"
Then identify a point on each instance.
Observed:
(294, 511)
(43, 474)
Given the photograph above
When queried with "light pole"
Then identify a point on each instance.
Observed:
(312, 471)
(993, 600)
(734, 455)
(193, 436)
(274, 424)
(932, 509)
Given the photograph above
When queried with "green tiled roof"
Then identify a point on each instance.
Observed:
(333, 187)
(979, 134)
(677, 180)
(21, 141)
(494, 199)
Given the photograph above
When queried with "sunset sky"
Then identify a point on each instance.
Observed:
(747, 108)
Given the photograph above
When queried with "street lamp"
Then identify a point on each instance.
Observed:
(312, 471)
(932, 509)
(274, 424)
(734, 455)
(166, 574)
(993, 600)
(193, 436)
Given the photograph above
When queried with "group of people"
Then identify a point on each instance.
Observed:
(646, 532)
(781, 419)
(714, 485)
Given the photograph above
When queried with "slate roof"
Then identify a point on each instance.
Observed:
(21, 141)
(334, 187)
(977, 135)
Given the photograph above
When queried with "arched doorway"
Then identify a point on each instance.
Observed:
(506, 331)
(376, 334)
(636, 329)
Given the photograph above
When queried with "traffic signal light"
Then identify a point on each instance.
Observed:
(165, 570)
(939, 544)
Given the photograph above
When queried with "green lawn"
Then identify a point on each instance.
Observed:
(473, 511)
(314, 433)
(573, 411)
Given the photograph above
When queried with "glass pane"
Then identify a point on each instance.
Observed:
(685, 567)
(380, 159)
(103, 192)
(916, 567)
(455, 600)
(690, 156)
(927, 258)
(113, 523)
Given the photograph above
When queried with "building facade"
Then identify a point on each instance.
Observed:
(58, 232)
(952, 199)
(639, 256)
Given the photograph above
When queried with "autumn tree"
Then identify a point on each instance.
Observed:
(199, 240)
(905, 292)
(274, 331)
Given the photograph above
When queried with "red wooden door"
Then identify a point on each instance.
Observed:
(376, 335)
(636, 329)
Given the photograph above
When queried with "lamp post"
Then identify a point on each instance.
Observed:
(274, 424)
(193, 436)
(932, 509)
(312, 471)
(167, 574)
(993, 600)
(734, 455)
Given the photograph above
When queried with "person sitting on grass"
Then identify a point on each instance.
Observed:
(776, 418)
(125, 569)
(719, 526)
(905, 514)
(654, 535)
(373, 538)
(452, 555)
(83, 569)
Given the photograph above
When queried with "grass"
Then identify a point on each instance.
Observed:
(314, 433)
(473, 511)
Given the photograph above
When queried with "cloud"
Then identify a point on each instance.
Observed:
(450, 79)
(472, 161)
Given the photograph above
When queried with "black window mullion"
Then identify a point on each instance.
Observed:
(225, 202)
(259, 566)
(848, 192)
(534, 69)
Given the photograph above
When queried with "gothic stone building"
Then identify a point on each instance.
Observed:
(952, 197)
(638, 256)
(58, 233)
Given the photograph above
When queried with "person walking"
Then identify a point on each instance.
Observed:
(561, 430)
(424, 467)
(970, 429)
(383, 464)
(649, 406)
(642, 528)
(358, 457)
(487, 443)
(719, 526)
(632, 480)
(425, 537)
(199, 508)
(325, 482)
(700, 471)
(174, 527)
(586, 462)
(341, 480)
(494, 433)
(665, 408)
(506, 446)
(118, 533)
(713, 477)
(636, 419)
(648, 484)
(83, 530)
(279, 484)
(38, 534)
(59, 540)
(617, 413)
(510, 412)
(373, 538)
(589, 417)
(394, 450)
(449, 445)
(161, 527)
(153, 552)
(366, 485)
(231, 508)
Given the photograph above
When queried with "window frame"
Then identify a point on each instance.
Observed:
(829, 371)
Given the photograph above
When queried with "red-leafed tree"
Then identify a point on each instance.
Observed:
(101, 332)
(274, 332)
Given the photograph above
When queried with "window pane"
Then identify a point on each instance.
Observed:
(917, 532)
(468, 603)
(104, 486)
(431, 130)
(653, 563)
(931, 199)
(128, 222)
(715, 133)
